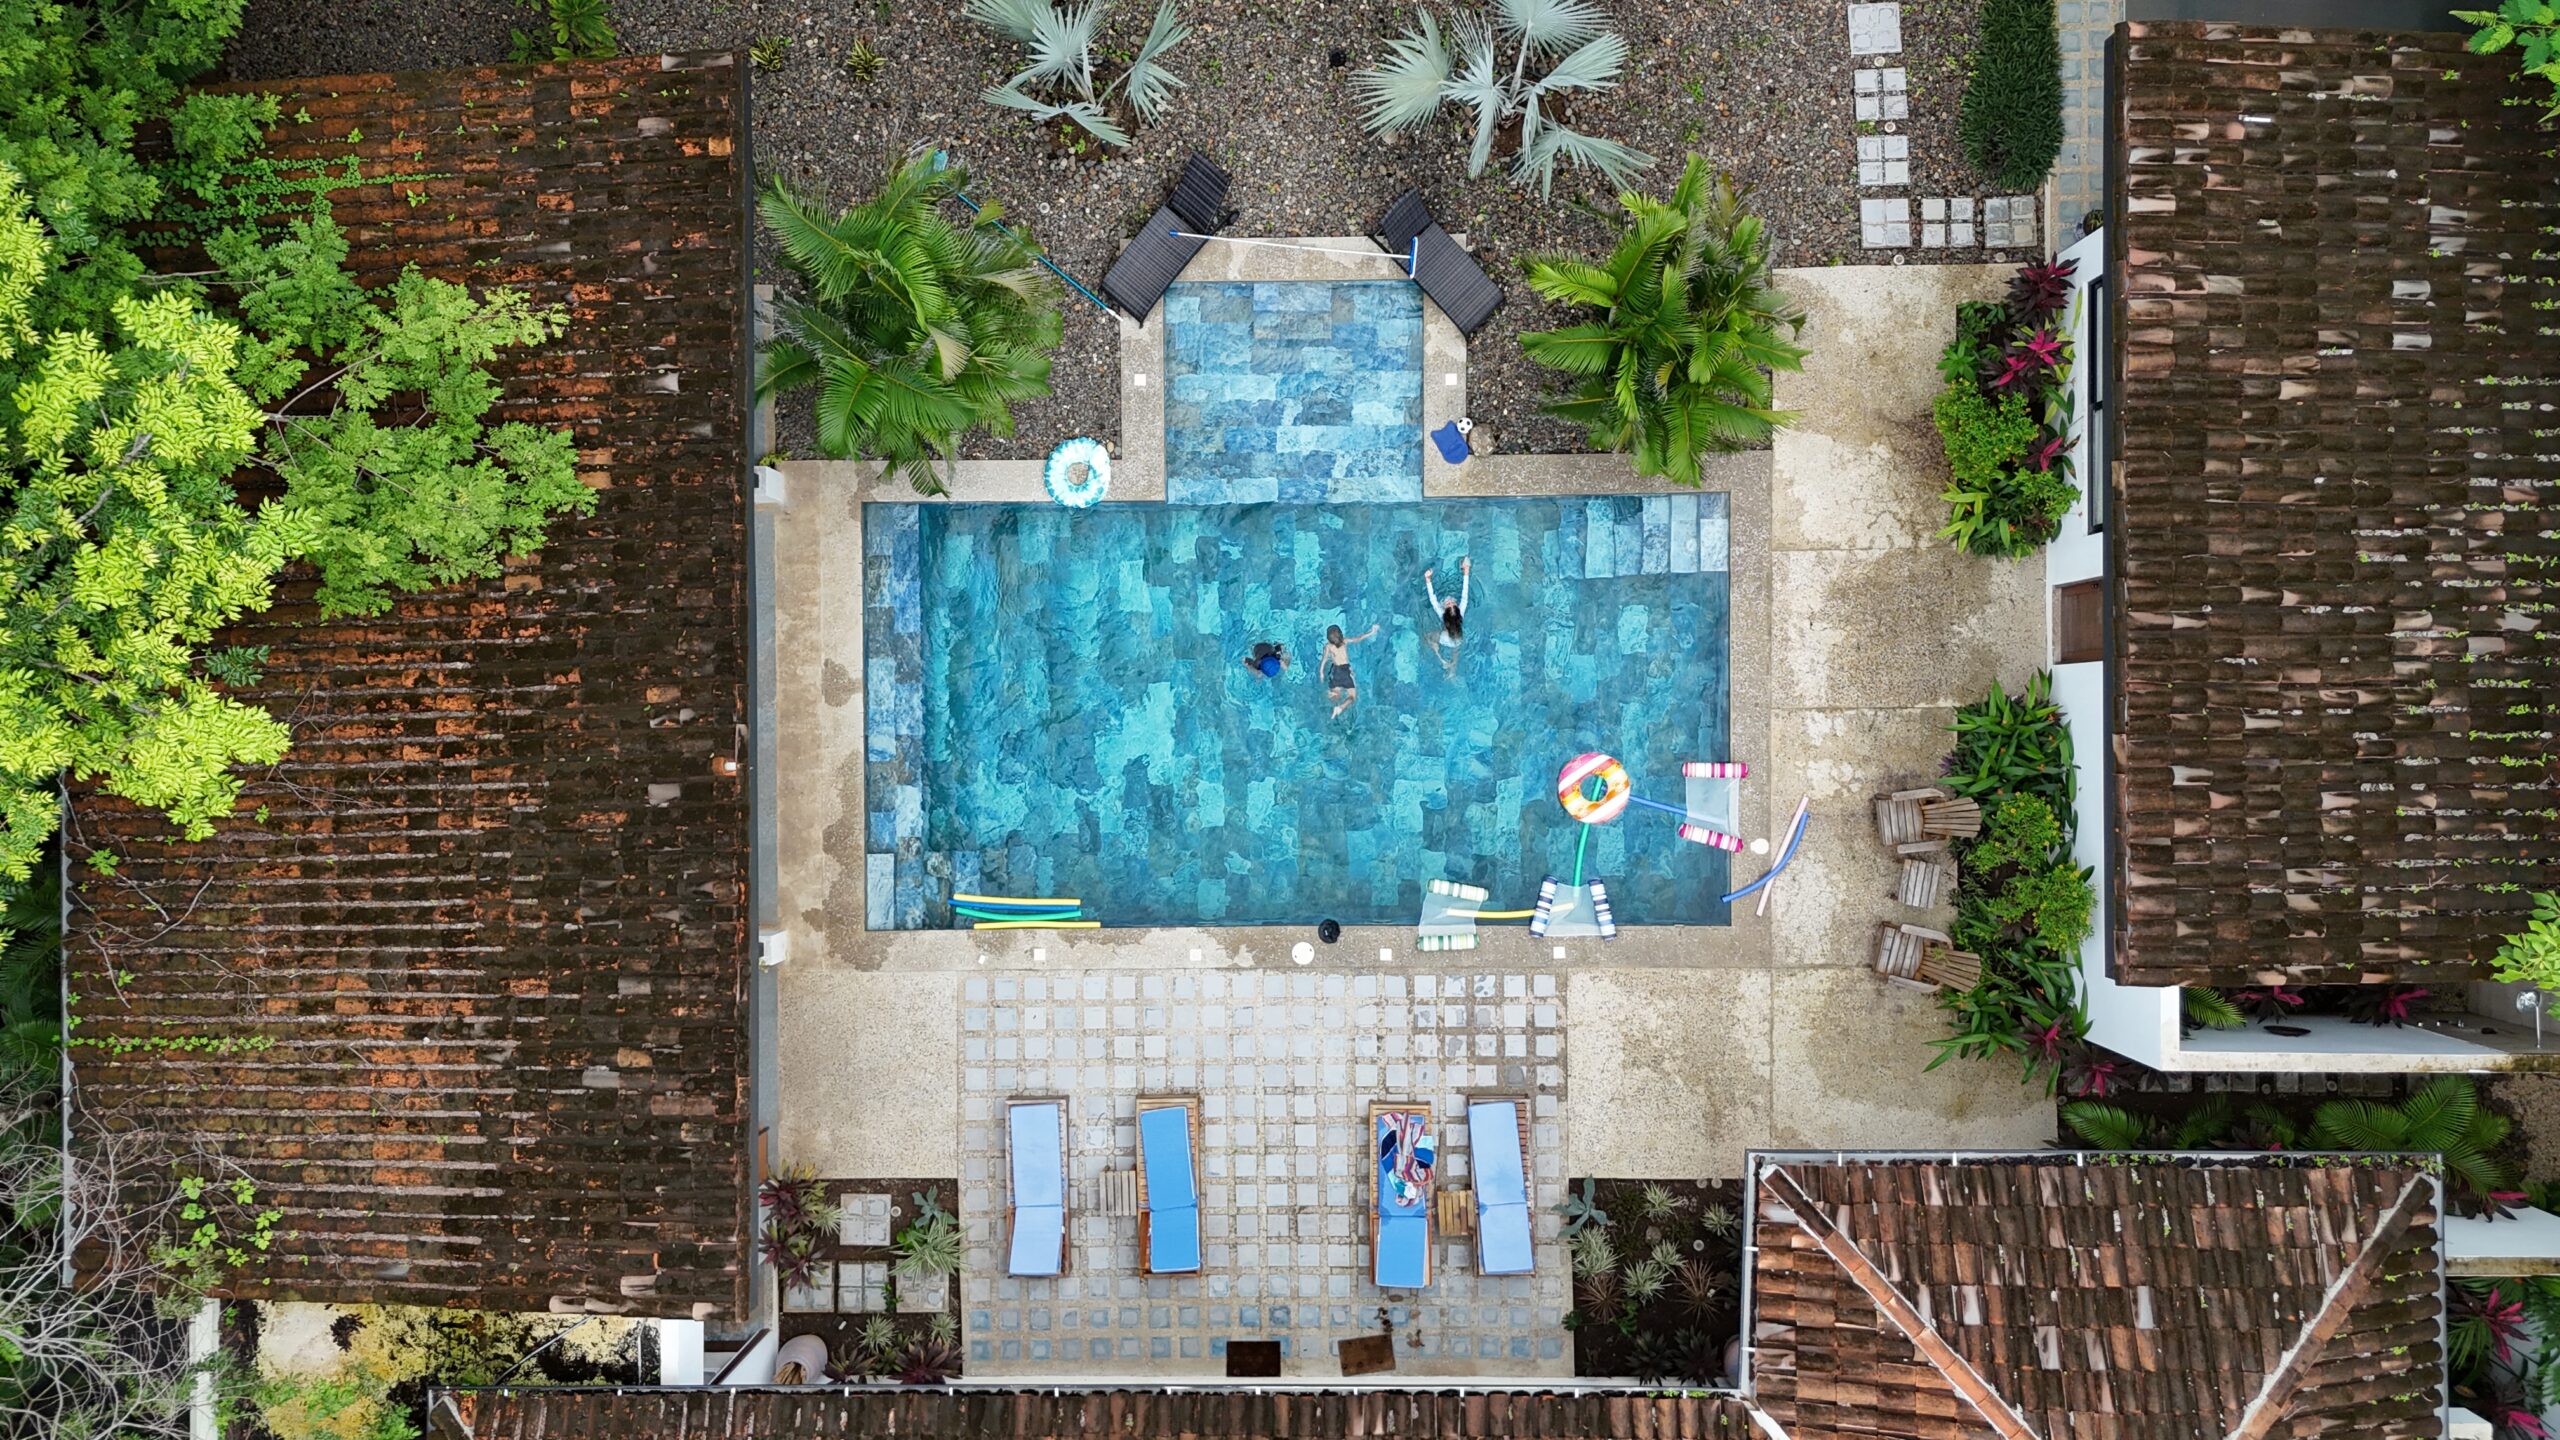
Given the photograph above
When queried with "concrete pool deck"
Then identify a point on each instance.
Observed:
(1678, 1047)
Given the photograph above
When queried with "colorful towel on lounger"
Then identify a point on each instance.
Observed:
(1405, 1155)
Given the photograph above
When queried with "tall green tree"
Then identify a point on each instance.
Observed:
(1676, 365)
(76, 80)
(125, 548)
(915, 328)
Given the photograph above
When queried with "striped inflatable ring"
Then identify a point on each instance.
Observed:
(1615, 787)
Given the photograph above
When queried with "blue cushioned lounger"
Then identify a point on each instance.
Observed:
(1170, 1211)
(1502, 1188)
(1401, 1244)
(1035, 1155)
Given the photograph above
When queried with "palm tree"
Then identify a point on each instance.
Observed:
(914, 329)
(2443, 1115)
(1677, 366)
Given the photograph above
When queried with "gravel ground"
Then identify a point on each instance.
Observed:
(1760, 89)
(280, 39)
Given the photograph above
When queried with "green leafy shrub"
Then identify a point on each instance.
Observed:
(2004, 417)
(2533, 27)
(2444, 1116)
(1983, 434)
(2531, 956)
(352, 1402)
(2011, 117)
(2020, 904)
(914, 329)
(1676, 364)
(578, 31)
(2014, 743)
(2017, 829)
(2047, 907)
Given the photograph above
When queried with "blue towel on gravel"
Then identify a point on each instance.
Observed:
(1453, 445)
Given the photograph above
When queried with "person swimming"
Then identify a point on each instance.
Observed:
(1268, 659)
(1340, 686)
(1453, 614)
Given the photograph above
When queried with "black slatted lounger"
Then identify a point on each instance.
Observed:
(1138, 279)
(1446, 273)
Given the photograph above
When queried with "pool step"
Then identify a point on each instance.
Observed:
(1615, 536)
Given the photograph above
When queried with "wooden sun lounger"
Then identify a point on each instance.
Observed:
(1182, 1211)
(1504, 1219)
(1034, 1184)
(1419, 1215)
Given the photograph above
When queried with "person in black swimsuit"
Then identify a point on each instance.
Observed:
(1339, 685)
(1268, 659)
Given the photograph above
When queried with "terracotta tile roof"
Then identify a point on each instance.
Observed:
(490, 915)
(2331, 628)
(1209, 1413)
(2095, 1297)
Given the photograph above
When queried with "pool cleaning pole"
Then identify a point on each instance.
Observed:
(942, 161)
(1293, 245)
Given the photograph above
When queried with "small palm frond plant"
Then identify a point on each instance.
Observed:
(1644, 1280)
(1057, 79)
(1722, 1221)
(2108, 1127)
(770, 52)
(1557, 48)
(878, 1347)
(862, 63)
(1676, 364)
(929, 1249)
(914, 329)
(1591, 1252)
(2210, 1009)
(2443, 1116)
(1661, 1203)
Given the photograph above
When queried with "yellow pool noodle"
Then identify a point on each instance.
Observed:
(1503, 914)
(1015, 900)
(1037, 925)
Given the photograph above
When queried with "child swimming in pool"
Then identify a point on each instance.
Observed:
(1339, 685)
(1452, 616)
(1268, 659)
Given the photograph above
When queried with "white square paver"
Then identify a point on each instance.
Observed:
(1882, 93)
(1875, 29)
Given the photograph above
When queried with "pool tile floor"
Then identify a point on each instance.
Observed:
(1297, 391)
(1057, 705)
(1285, 1066)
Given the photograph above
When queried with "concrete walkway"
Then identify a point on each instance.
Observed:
(1879, 631)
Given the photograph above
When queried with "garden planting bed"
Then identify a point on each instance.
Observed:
(1761, 90)
(872, 1316)
(1678, 1333)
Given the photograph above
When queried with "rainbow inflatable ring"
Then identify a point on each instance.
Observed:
(1615, 787)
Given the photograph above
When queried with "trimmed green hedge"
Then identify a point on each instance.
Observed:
(2011, 119)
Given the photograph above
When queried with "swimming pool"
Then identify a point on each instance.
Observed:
(1057, 705)
(1295, 392)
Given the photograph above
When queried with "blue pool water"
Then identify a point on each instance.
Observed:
(1057, 705)
(1292, 392)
